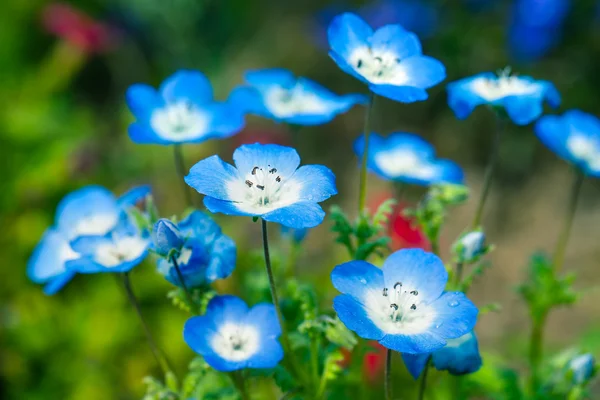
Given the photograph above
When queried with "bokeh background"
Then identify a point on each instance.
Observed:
(63, 124)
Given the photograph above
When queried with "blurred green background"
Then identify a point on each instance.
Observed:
(63, 124)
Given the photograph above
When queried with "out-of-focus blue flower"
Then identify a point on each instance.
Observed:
(403, 305)
(541, 13)
(389, 60)
(298, 235)
(119, 250)
(182, 110)
(459, 357)
(91, 210)
(201, 251)
(582, 367)
(231, 337)
(522, 97)
(265, 182)
(407, 158)
(278, 94)
(470, 246)
(574, 137)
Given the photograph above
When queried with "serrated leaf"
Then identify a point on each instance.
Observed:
(383, 213)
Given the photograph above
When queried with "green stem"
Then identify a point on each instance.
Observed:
(240, 383)
(535, 350)
(459, 273)
(362, 196)
(314, 356)
(489, 173)
(423, 384)
(180, 168)
(561, 246)
(435, 245)
(387, 382)
(158, 355)
(188, 294)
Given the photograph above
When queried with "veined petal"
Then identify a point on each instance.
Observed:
(455, 315)
(395, 39)
(422, 72)
(225, 207)
(415, 363)
(248, 156)
(358, 279)
(355, 317)
(304, 214)
(426, 342)
(211, 176)
(347, 32)
(189, 85)
(316, 182)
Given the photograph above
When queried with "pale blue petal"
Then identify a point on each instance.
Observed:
(225, 207)
(317, 182)
(347, 32)
(460, 356)
(423, 72)
(394, 38)
(426, 342)
(304, 214)
(523, 110)
(48, 259)
(210, 177)
(222, 263)
(248, 156)
(187, 85)
(227, 308)
(134, 196)
(166, 237)
(357, 279)
(226, 119)
(347, 68)
(84, 203)
(199, 225)
(455, 315)
(354, 316)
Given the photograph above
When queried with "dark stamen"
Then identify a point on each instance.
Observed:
(261, 187)
(394, 306)
(272, 170)
(379, 59)
(385, 290)
(397, 284)
(278, 179)
(249, 183)
(414, 292)
(413, 307)
(359, 64)
(254, 170)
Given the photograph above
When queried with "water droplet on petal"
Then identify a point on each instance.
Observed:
(439, 325)
(453, 303)
(363, 281)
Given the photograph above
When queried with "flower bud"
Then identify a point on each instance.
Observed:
(470, 246)
(166, 236)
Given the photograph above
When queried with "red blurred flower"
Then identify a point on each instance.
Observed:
(77, 28)
(374, 363)
(260, 135)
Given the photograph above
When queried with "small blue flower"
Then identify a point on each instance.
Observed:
(389, 60)
(414, 15)
(459, 357)
(407, 158)
(278, 94)
(403, 305)
(574, 137)
(231, 337)
(265, 182)
(182, 110)
(582, 367)
(202, 252)
(521, 97)
(92, 210)
(298, 235)
(529, 43)
(541, 13)
(470, 246)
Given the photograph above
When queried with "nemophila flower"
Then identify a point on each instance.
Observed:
(574, 137)
(414, 15)
(231, 337)
(470, 246)
(521, 97)
(541, 13)
(203, 254)
(529, 43)
(92, 210)
(582, 367)
(459, 357)
(389, 60)
(265, 182)
(278, 94)
(182, 110)
(403, 305)
(405, 157)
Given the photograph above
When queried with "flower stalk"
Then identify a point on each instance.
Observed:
(423, 385)
(387, 383)
(561, 247)
(362, 195)
(180, 168)
(188, 294)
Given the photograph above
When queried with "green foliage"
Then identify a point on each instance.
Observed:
(200, 296)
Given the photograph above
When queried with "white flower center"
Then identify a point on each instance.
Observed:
(503, 86)
(378, 66)
(120, 250)
(402, 162)
(284, 102)
(235, 342)
(179, 121)
(585, 149)
(95, 225)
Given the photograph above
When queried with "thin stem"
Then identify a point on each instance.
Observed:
(274, 297)
(362, 196)
(535, 350)
(387, 382)
(561, 246)
(160, 358)
(240, 384)
(314, 357)
(180, 168)
(489, 172)
(188, 294)
(459, 272)
(435, 246)
(423, 384)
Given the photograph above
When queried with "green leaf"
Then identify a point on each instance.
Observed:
(364, 251)
(383, 213)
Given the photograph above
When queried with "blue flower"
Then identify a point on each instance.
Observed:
(182, 110)
(278, 94)
(407, 158)
(459, 357)
(529, 43)
(202, 252)
(403, 305)
(265, 182)
(541, 13)
(389, 60)
(92, 210)
(521, 97)
(470, 246)
(231, 337)
(414, 15)
(574, 137)
(298, 235)
(582, 368)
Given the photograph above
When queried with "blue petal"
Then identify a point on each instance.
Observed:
(49, 257)
(551, 95)
(58, 282)
(304, 214)
(143, 100)
(317, 182)
(423, 72)
(266, 78)
(357, 279)
(460, 356)
(347, 32)
(142, 133)
(415, 363)
(133, 196)
(223, 309)
(224, 207)
(447, 172)
(211, 176)
(248, 100)
(461, 97)
(583, 123)
(403, 94)
(426, 342)
(187, 85)
(223, 259)
(248, 156)
(226, 119)
(416, 270)
(553, 131)
(354, 316)
(347, 68)
(523, 109)
(264, 318)
(394, 38)
(166, 237)
(200, 225)
(455, 315)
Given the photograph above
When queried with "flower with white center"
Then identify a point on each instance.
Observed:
(265, 182)
(521, 97)
(202, 252)
(582, 368)
(574, 137)
(389, 60)
(231, 337)
(403, 305)
(92, 210)
(407, 158)
(182, 110)
(460, 356)
(470, 246)
(278, 94)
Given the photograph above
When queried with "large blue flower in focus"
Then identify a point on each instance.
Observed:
(182, 110)
(203, 254)
(521, 97)
(279, 95)
(231, 337)
(460, 356)
(389, 59)
(92, 210)
(405, 157)
(574, 137)
(403, 305)
(265, 182)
